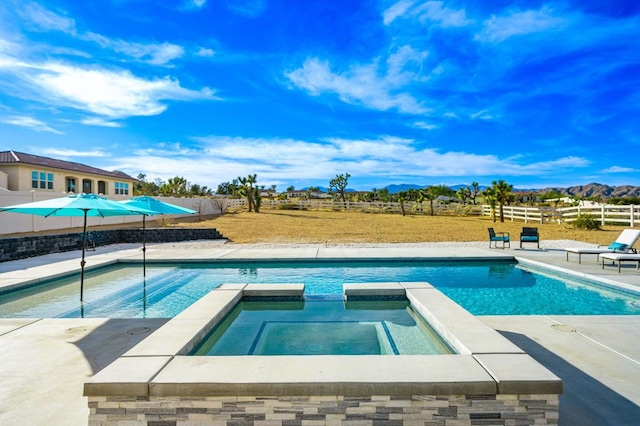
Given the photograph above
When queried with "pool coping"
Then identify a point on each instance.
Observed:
(486, 364)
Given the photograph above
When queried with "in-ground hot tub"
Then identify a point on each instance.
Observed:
(488, 379)
(264, 326)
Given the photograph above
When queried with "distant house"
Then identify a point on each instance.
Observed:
(303, 193)
(26, 172)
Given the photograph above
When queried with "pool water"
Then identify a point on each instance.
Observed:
(483, 288)
(323, 328)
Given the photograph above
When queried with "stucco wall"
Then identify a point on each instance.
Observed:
(19, 179)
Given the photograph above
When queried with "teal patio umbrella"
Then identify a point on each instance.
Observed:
(157, 207)
(78, 205)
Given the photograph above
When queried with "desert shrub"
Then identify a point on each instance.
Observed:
(289, 206)
(587, 222)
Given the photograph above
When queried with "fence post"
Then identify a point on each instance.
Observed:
(602, 214)
(632, 218)
(526, 215)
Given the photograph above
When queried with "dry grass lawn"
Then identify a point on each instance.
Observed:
(294, 226)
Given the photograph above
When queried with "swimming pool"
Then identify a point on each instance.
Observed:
(481, 287)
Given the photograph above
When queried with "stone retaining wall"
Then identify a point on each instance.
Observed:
(433, 410)
(38, 245)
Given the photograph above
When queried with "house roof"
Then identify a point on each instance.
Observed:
(14, 157)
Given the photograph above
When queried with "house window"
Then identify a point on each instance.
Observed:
(122, 188)
(102, 187)
(71, 185)
(41, 180)
(87, 186)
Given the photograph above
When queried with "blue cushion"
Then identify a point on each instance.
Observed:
(500, 238)
(618, 246)
(529, 238)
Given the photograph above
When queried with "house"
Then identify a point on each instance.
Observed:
(304, 194)
(27, 172)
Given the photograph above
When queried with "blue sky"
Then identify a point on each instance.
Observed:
(538, 93)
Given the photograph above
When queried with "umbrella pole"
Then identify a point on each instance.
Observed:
(144, 247)
(82, 262)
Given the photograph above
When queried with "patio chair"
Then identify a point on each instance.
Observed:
(499, 237)
(529, 235)
(620, 257)
(623, 244)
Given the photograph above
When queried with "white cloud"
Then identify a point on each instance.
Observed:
(199, 3)
(429, 11)
(425, 125)
(107, 93)
(435, 12)
(396, 11)
(499, 28)
(205, 52)
(247, 8)
(619, 169)
(153, 53)
(94, 121)
(222, 158)
(482, 115)
(31, 123)
(366, 84)
(68, 153)
(39, 18)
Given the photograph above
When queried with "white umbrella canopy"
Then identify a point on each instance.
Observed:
(158, 207)
(78, 205)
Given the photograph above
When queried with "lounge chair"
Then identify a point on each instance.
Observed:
(623, 244)
(496, 237)
(620, 257)
(529, 235)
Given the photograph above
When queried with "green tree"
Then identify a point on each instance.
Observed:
(311, 190)
(491, 198)
(247, 189)
(473, 191)
(174, 187)
(402, 197)
(196, 190)
(338, 186)
(463, 194)
(384, 195)
(254, 192)
(502, 191)
(432, 192)
(142, 187)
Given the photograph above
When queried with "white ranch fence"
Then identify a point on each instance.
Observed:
(13, 223)
(606, 213)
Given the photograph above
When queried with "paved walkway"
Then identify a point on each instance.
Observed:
(44, 362)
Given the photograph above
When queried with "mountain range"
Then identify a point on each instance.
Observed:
(583, 191)
(596, 190)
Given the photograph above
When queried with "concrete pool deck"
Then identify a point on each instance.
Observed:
(45, 362)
